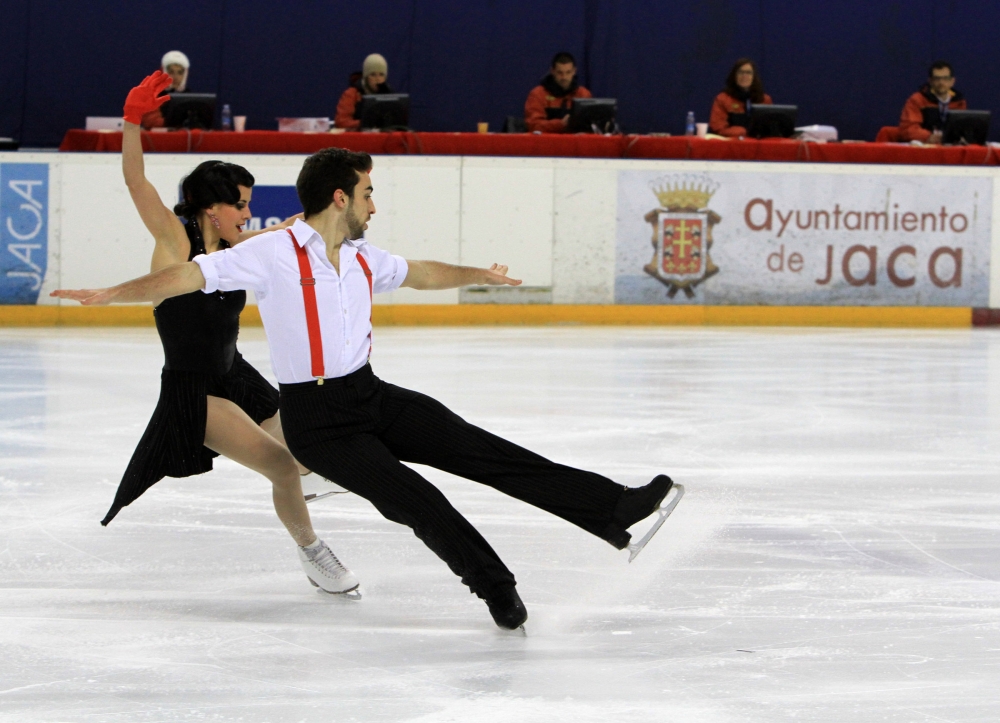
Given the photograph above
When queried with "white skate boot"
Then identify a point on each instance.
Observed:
(315, 487)
(328, 573)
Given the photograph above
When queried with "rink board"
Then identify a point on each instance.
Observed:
(569, 228)
(540, 315)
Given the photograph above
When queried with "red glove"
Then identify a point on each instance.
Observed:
(143, 99)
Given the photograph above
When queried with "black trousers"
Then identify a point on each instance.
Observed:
(357, 430)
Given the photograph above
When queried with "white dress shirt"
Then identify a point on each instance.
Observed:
(267, 264)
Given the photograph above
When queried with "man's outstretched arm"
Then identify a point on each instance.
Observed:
(169, 281)
(428, 275)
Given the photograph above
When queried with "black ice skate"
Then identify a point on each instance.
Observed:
(315, 487)
(507, 609)
(638, 503)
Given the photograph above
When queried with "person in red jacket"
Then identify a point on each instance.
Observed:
(731, 110)
(925, 111)
(374, 72)
(549, 103)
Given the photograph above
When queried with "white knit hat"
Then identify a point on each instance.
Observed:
(176, 57)
(374, 63)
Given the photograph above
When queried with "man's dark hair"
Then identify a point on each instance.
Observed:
(563, 57)
(756, 92)
(210, 183)
(324, 173)
(940, 65)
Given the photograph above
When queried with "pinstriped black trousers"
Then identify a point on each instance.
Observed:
(357, 430)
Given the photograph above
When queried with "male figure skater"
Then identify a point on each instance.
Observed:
(314, 283)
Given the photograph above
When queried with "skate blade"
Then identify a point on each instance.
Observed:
(662, 514)
(353, 594)
(518, 632)
(314, 497)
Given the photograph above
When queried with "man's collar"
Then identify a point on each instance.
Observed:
(304, 233)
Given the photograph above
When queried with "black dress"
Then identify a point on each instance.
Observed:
(198, 332)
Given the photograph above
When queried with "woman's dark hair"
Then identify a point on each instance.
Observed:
(326, 171)
(210, 183)
(756, 92)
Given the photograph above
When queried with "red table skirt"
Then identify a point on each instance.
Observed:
(563, 146)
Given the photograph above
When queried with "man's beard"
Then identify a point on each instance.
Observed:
(355, 229)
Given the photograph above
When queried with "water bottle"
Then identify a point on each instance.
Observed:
(688, 125)
(227, 118)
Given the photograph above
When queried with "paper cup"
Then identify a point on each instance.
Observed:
(483, 127)
(701, 129)
(239, 123)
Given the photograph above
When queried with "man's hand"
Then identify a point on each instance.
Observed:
(934, 139)
(169, 281)
(145, 97)
(87, 297)
(496, 275)
(432, 275)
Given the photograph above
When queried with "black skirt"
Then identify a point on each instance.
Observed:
(173, 444)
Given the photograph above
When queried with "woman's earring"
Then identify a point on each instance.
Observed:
(215, 221)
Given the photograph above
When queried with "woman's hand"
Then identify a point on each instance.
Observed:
(145, 97)
(276, 227)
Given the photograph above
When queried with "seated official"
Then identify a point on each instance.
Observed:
(925, 111)
(176, 65)
(374, 72)
(730, 115)
(548, 105)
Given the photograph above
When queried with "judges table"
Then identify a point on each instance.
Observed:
(527, 144)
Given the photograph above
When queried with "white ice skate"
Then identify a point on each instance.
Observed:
(328, 573)
(666, 507)
(315, 487)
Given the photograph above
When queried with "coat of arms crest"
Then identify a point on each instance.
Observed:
(682, 233)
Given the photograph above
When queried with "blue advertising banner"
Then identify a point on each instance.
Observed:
(271, 205)
(24, 231)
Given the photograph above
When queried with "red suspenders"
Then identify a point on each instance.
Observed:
(312, 312)
(368, 275)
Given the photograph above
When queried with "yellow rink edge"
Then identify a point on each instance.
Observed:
(545, 314)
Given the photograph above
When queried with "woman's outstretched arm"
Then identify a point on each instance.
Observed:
(167, 230)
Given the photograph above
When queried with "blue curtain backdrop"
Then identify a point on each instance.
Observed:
(850, 63)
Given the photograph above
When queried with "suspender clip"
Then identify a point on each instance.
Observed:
(319, 381)
(307, 282)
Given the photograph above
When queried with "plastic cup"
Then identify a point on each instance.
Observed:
(701, 129)
(239, 123)
(483, 127)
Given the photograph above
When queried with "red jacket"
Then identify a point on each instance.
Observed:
(348, 103)
(153, 119)
(349, 100)
(912, 125)
(547, 103)
(729, 115)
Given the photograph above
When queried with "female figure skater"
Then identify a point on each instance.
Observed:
(212, 401)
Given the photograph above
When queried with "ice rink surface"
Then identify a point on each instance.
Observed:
(836, 557)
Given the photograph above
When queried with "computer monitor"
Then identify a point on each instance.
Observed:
(772, 121)
(189, 110)
(385, 111)
(593, 115)
(966, 127)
